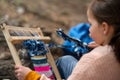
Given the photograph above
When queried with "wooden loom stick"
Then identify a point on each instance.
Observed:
(11, 46)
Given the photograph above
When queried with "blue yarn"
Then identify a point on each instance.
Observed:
(35, 47)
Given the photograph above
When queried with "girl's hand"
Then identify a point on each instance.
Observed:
(21, 71)
(93, 45)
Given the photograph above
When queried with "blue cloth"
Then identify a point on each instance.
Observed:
(66, 65)
(81, 32)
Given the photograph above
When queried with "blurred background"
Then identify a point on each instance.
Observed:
(49, 15)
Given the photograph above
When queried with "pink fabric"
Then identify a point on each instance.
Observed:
(99, 64)
(42, 68)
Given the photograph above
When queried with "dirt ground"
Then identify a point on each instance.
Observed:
(49, 15)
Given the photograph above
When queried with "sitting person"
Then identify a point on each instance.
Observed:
(103, 62)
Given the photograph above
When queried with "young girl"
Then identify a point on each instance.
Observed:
(103, 62)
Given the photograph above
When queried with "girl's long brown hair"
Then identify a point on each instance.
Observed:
(109, 11)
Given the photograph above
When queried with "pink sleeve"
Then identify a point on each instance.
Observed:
(82, 66)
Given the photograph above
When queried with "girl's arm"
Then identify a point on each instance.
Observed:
(25, 73)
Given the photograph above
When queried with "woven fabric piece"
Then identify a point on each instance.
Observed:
(41, 66)
(37, 52)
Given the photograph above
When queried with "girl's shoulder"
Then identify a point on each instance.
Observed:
(97, 54)
(101, 51)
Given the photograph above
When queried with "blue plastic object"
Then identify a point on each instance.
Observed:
(80, 32)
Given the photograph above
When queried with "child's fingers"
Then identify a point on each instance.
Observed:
(92, 45)
(17, 70)
(16, 66)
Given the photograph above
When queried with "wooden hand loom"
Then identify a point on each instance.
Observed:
(23, 33)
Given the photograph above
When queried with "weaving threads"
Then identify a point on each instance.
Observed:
(41, 66)
(37, 52)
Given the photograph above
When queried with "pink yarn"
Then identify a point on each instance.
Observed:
(42, 68)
